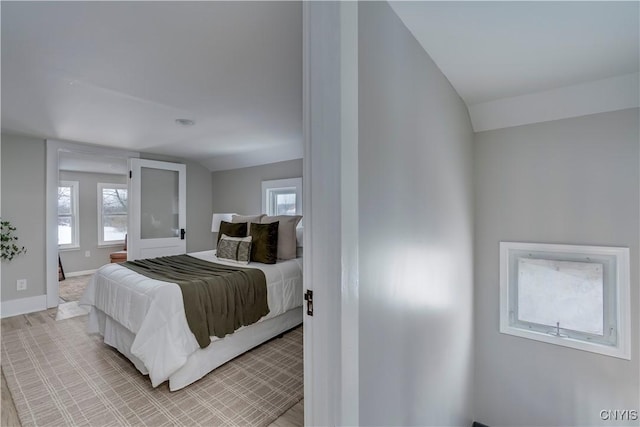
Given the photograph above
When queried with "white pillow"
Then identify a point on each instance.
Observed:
(286, 234)
(236, 249)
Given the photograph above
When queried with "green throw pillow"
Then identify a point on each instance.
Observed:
(238, 229)
(264, 243)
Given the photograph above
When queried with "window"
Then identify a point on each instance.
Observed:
(68, 215)
(282, 197)
(112, 213)
(574, 296)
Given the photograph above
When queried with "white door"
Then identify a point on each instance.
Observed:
(157, 209)
(330, 123)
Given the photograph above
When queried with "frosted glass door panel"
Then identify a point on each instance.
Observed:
(157, 208)
(159, 203)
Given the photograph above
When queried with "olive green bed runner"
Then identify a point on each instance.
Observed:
(218, 299)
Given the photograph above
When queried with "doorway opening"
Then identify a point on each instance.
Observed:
(86, 215)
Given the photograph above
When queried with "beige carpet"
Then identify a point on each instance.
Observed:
(72, 288)
(58, 375)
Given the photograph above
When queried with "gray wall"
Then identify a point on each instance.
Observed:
(416, 290)
(73, 259)
(23, 203)
(240, 190)
(572, 181)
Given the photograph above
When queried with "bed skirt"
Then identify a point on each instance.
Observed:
(202, 361)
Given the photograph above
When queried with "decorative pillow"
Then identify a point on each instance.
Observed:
(265, 243)
(286, 234)
(237, 249)
(232, 230)
(249, 219)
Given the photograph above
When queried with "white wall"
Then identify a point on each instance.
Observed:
(573, 181)
(416, 272)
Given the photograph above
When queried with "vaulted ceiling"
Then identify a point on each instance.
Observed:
(494, 50)
(121, 73)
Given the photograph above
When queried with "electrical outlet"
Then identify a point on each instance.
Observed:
(22, 284)
(87, 254)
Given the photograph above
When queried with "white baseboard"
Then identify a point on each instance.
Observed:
(15, 307)
(80, 273)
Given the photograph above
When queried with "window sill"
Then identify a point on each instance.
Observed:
(68, 248)
(111, 245)
(607, 350)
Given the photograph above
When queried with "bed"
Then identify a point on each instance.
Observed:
(144, 319)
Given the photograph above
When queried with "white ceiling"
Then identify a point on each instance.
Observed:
(502, 49)
(120, 73)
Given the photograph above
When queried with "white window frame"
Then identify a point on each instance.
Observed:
(101, 241)
(75, 219)
(281, 184)
(616, 307)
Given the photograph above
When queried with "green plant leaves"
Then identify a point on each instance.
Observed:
(8, 247)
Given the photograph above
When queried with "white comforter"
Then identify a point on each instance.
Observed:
(153, 311)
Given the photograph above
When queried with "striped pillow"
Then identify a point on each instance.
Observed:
(236, 249)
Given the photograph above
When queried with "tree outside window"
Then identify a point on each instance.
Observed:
(112, 213)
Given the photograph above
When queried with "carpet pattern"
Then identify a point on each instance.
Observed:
(58, 375)
(72, 288)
